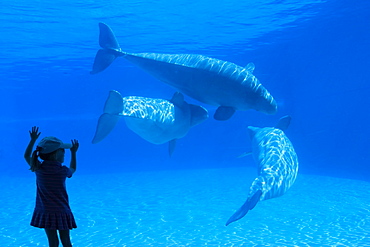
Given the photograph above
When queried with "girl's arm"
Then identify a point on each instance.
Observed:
(74, 148)
(34, 134)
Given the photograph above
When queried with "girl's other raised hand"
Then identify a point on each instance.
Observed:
(34, 133)
(75, 145)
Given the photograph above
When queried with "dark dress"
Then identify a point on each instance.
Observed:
(52, 209)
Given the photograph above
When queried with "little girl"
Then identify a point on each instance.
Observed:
(52, 211)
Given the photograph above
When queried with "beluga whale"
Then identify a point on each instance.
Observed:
(223, 84)
(277, 165)
(156, 120)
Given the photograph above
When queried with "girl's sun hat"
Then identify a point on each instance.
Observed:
(50, 144)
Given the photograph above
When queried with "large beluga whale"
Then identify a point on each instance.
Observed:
(212, 81)
(156, 120)
(277, 165)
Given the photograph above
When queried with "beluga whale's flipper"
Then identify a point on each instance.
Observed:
(277, 165)
(209, 80)
(155, 120)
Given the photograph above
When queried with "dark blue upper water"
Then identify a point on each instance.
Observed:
(313, 57)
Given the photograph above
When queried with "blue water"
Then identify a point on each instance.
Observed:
(312, 56)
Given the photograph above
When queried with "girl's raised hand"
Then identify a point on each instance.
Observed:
(75, 145)
(34, 133)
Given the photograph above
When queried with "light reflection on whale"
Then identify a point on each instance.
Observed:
(212, 81)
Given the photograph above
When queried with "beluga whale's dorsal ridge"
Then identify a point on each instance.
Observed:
(209, 80)
(250, 67)
(156, 120)
(277, 166)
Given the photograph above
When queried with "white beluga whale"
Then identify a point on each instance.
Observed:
(156, 120)
(212, 81)
(277, 165)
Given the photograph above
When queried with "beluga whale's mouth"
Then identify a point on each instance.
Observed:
(226, 85)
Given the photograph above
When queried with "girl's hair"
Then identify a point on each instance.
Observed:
(35, 163)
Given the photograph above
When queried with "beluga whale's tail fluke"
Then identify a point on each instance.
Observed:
(107, 121)
(223, 84)
(110, 49)
(249, 204)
